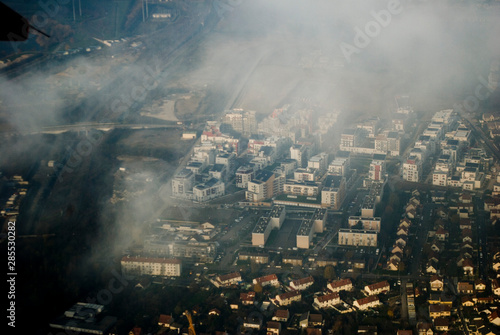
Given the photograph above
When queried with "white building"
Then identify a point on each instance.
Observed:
(182, 184)
(211, 189)
(287, 298)
(340, 285)
(164, 267)
(366, 303)
(377, 169)
(357, 237)
(244, 175)
(302, 284)
(327, 300)
(378, 288)
(412, 169)
(368, 223)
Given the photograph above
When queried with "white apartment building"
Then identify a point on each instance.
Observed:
(211, 189)
(357, 237)
(182, 184)
(151, 266)
(412, 169)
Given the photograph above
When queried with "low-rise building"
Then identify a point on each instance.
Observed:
(302, 284)
(267, 280)
(287, 298)
(377, 288)
(152, 266)
(366, 303)
(328, 300)
(340, 285)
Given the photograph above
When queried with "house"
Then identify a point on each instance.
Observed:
(433, 257)
(442, 324)
(366, 303)
(467, 301)
(465, 224)
(392, 265)
(411, 214)
(424, 328)
(410, 207)
(377, 288)
(302, 284)
(436, 311)
(494, 317)
(468, 267)
(401, 241)
(402, 231)
(404, 332)
(461, 258)
(340, 285)
(229, 279)
(287, 298)
(436, 283)
(431, 267)
(437, 246)
(442, 213)
(214, 311)
(247, 298)
(165, 320)
(496, 265)
(442, 234)
(254, 322)
(484, 300)
(495, 287)
(267, 280)
(315, 320)
(465, 288)
(327, 300)
(480, 285)
(397, 249)
(467, 235)
(405, 223)
(396, 257)
(281, 315)
(273, 328)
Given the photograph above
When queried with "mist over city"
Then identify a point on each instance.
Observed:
(236, 166)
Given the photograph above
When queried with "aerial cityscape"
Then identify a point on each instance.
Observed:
(231, 167)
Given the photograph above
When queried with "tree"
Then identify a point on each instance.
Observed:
(329, 272)
(258, 288)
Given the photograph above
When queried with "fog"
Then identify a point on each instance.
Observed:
(263, 54)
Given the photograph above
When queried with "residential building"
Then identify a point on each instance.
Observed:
(244, 175)
(152, 266)
(211, 189)
(357, 237)
(366, 303)
(412, 169)
(333, 192)
(340, 285)
(377, 288)
(302, 284)
(287, 298)
(328, 300)
(229, 279)
(182, 183)
(371, 223)
(265, 185)
(271, 280)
